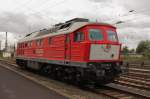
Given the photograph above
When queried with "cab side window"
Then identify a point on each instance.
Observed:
(79, 36)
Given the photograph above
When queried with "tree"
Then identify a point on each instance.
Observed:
(125, 50)
(144, 48)
(132, 50)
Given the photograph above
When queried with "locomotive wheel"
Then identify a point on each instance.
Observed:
(45, 70)
(58, 73)
(22, 64)
(78, 80)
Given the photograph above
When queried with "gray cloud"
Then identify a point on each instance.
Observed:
(21, 23)
(130, 36)
(135, 28)
(13, 22)
(136, 5)
(139, 25)
(100, 1)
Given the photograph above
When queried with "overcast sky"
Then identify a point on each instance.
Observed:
(19, 17)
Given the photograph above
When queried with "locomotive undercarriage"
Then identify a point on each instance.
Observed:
(97, 73)
(103, 72)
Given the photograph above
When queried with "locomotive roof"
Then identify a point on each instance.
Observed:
(59, 29)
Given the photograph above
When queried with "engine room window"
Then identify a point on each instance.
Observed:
(22, 45)
(67, 38)
(30, 44)
(26, 44)
(95, 34)
(79, 36)
(112, 36)
(49, 40)
(39, 42)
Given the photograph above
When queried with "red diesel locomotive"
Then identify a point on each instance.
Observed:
(76, 50)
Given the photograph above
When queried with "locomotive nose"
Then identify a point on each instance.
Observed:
(104, 52)
(106, 47)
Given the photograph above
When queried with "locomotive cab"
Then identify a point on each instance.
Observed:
(105, 46)
(104, 52)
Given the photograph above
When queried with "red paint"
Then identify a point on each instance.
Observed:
(61, 49)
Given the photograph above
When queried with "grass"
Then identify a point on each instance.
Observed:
(140, 59)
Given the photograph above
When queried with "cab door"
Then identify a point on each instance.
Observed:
(67, 48)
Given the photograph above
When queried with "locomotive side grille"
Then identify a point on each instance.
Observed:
(104, 52)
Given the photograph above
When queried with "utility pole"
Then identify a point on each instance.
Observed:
(6, 43)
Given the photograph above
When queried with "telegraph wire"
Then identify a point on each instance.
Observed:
(49, 7)
(38, 12)
(41, 12)
(22, 5)
(130, 13)
(40, 6)
(129, 20)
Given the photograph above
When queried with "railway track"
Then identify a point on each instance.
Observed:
(115, 93)
(138, 78)
(139, 65)
(136, 74)
(146, 71)
(139, 75)
(137, 81)
(115, 90)
(130, 92)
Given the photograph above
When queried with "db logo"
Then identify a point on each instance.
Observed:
(106, 47)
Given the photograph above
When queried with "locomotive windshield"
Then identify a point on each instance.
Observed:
(95, 34)
(112, 36)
